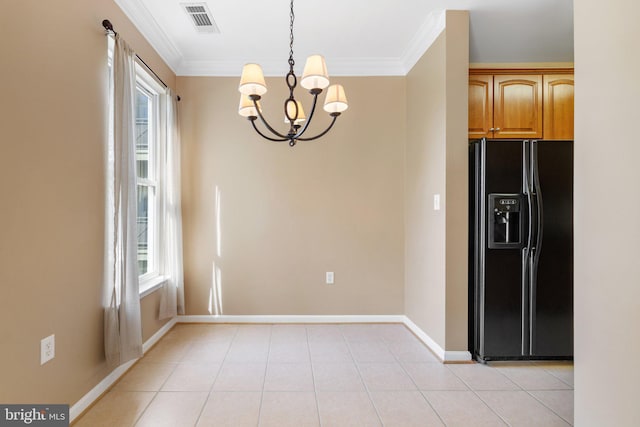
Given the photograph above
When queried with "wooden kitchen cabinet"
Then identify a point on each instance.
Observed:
(558, 106)
(520, 104)
(480, 106)
(517, 106)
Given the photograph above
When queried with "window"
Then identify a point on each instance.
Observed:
(149, 121)
(147, 185)
(150, 133)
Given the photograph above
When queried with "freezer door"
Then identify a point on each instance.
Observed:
(499, 290)
(552, 291)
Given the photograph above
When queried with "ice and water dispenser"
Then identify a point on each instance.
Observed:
(505, 221)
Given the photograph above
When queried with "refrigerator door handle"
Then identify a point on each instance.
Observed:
(537, 192)
(482, 244)
(533, 278)
(526, 251)
(535, 250)
(527, 189)
(525, 306)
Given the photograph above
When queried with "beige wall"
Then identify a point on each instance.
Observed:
(436, 163)
(457, 187)
(149, 309)
(607, 283)
(425, 238)
(288, 215)
(53, 127)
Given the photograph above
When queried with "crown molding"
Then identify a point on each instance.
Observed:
(270, 68)
(140, 16)
(142, 19)
(428, 32)
(365, 67)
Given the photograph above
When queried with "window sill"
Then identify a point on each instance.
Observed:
(151, 285)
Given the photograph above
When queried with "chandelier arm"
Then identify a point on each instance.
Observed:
(308, 121)
(272, 130)
(253, 122)
(323, 133)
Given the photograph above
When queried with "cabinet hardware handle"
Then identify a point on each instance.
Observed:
(491, 130)
(497, 129)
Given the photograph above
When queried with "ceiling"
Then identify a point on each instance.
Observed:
(357, 37)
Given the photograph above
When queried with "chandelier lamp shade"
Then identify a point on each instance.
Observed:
(315, 79)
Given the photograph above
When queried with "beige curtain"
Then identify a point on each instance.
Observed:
(172, 296)
(122, 323)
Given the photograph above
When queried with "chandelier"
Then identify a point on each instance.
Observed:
(314, 78)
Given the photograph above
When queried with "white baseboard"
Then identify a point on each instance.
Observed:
(445, 356)
(159, 334)
(94, 394)
(391, 318)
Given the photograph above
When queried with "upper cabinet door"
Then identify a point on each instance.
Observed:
(517, 106)
(558, 106)
(480, 106)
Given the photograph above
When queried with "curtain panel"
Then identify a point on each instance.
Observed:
(122, 322)
(172, 296)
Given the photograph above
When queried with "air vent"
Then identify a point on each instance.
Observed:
(201, 17)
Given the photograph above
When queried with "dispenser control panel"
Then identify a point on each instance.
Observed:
(505, 221)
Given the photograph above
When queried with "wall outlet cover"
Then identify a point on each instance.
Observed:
(47, 349)
(329, 278)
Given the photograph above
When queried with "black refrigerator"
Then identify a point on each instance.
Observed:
(521, 249)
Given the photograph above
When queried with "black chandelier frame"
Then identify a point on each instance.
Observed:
(295, 130)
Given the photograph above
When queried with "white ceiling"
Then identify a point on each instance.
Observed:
(357, 37)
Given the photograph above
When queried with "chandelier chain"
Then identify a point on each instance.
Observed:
(291, 18)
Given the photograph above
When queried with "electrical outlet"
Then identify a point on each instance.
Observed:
(436, 202)
(329, 278)
(47, 349)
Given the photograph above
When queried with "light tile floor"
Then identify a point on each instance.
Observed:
(325, 375)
